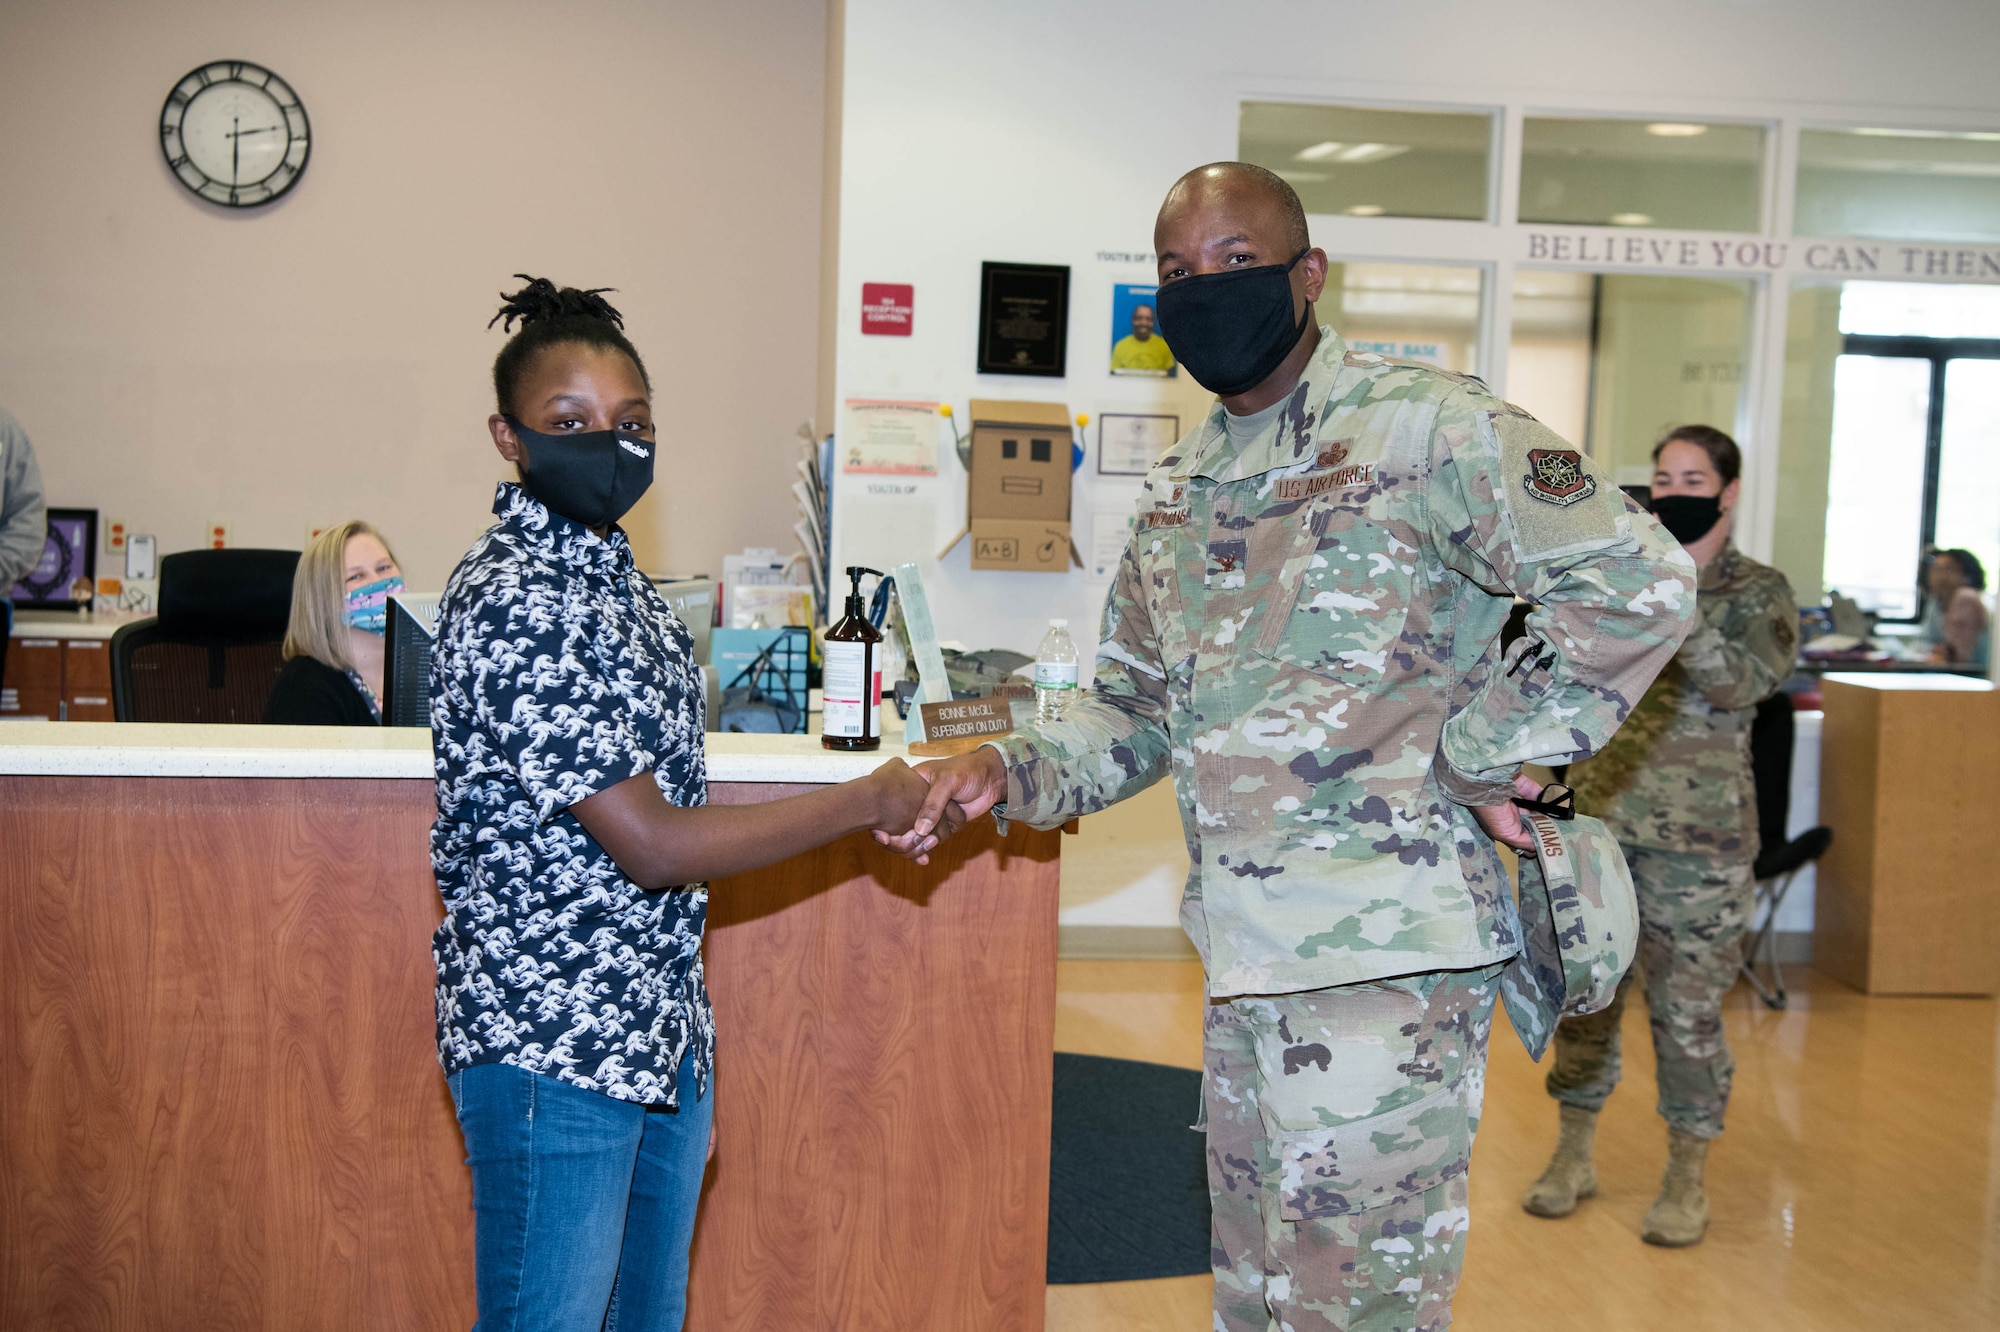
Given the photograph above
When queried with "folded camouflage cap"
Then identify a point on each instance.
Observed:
(1579, 926)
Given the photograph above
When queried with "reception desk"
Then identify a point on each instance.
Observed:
(220, 1105)
(1908, 897)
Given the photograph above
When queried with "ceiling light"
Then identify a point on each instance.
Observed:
(1674, 129)
(1975, 136)
(1371, 152)
(1631, 219)
(1319, 152)
(1365, 210)
(1305, 177)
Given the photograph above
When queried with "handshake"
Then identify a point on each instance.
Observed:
(917, 809)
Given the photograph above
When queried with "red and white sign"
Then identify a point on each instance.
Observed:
(888, 308)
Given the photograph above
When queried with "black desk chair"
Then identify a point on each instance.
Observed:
(1772, 734)
(214, 651)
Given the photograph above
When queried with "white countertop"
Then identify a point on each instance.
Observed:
(1910, 681)
(142, 749)
(69, 624)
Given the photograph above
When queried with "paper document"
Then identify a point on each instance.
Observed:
(1110, 530)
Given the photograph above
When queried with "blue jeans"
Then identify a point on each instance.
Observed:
(583, 1206)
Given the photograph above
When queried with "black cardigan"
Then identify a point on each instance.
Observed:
(311, 693)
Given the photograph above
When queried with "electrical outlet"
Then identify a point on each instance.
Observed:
(216, 536)
(114, 535)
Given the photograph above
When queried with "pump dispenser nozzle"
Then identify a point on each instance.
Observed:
(854, 603)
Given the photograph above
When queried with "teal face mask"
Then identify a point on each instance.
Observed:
(368, 605)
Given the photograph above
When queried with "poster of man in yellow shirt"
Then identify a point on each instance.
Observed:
(1136, 345)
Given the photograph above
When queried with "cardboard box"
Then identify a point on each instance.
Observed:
(1020, 460)
(1017, 498)
(1032, 544)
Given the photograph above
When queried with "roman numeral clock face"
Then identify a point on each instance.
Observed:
(235, 133)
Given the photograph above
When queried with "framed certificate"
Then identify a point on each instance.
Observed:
(889, 437)
(1023, 319)
(1127, 444)
(66, 576)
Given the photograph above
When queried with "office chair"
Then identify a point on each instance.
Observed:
(214, 651)
(1772, 733)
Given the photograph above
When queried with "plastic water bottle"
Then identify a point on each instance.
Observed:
(1055, 673)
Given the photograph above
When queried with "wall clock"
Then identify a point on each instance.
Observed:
(235, 133)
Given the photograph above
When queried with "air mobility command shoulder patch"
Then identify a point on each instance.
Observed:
(1556, 476)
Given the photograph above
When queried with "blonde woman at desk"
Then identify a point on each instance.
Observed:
(1955, 621)
(334, 642)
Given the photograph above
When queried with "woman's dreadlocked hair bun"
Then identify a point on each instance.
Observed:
(551, 316)
(543, 300)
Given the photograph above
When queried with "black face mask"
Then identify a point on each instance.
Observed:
(1687, 517)
(1231, 329)
(594, 477)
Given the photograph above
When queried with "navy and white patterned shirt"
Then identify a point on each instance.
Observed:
(560, 672)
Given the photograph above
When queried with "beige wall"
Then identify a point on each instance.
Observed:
(326, 356)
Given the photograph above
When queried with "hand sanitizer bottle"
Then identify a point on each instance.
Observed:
(851, 676)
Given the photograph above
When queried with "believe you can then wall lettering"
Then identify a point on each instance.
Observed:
(1906, 260)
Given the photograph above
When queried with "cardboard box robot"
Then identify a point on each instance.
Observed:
(1017, 500)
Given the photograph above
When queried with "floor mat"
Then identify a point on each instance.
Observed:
(1128, 1179)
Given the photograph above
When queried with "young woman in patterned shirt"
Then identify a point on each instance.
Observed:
(572, 847)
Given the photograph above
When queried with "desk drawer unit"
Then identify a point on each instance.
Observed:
(58, 679)
(86, 691)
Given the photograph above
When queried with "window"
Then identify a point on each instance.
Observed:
(1416, 312)
(1683, 175)
(1967, 516)
(1898, 185)
(1372, 163)
(1875, 481)
(1914, 459)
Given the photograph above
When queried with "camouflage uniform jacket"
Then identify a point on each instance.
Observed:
(1676, 777)
(1304, 631)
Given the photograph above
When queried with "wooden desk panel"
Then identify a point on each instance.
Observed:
(1908, 896)
(34, 675)
(220, 1105)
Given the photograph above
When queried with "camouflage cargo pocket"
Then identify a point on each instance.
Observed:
(1386, 1158)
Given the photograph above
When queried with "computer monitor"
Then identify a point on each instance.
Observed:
(406, 659)
(412, 630)
(693, 599)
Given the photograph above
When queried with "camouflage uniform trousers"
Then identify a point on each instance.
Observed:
(1693, 909)
(1340, 1125)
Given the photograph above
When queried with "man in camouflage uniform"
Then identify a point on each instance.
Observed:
(1674, 786)
(1303, 632)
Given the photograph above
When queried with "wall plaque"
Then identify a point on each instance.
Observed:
(1023, 319)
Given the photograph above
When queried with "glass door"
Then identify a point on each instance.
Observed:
(1613, 361)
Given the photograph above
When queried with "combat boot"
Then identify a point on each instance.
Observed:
(1571, 1177)
(1680, 1217)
